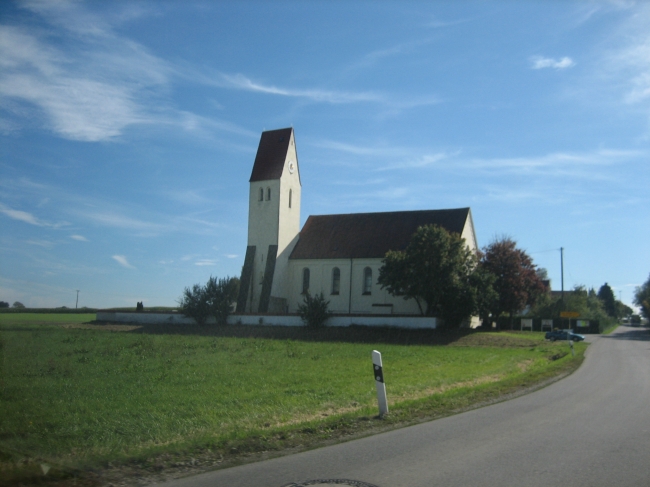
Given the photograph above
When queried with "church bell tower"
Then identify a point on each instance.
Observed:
(273, 224)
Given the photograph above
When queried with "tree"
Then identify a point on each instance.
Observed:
(642, 298)
(516, 281)
(313, 311)
(436, 270)
(194, 304)
(18, 304)
(215, 299)
(220, 295)
(4, 304)
(606, 295)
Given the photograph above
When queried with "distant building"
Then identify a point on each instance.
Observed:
(338, 255)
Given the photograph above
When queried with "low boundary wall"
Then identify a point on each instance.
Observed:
(147, 317)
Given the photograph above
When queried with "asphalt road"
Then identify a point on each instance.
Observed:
(589, 429)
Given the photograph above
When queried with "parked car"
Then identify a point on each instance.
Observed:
(563, 335)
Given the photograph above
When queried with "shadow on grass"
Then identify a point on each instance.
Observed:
(351, 334)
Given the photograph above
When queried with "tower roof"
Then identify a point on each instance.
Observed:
(271, 154)
(369, 235)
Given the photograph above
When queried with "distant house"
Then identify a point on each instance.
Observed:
(338, 255)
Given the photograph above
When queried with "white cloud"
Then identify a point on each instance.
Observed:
(26, 217)
(41, 243)
(120, 259)
(206, 262)
(80, 238)
(232, 256)
(538, 62)
(418, 162)
(91, 93)
(242, 82)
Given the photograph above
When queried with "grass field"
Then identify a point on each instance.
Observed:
(77, 395)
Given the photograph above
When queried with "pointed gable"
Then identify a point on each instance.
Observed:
(369, 235)
(271, 154)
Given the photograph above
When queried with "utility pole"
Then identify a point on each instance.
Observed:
(562, 271)
(77, 303)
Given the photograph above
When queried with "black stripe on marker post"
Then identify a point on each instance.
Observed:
(379, 373)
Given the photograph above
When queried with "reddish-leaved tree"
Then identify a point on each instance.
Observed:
(516, 282)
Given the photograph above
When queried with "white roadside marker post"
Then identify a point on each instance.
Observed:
(379, 382)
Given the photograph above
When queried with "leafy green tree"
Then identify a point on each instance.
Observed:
(516, 280)
(314, 310)
(4, 304)
(642, 298)
(606, 295)
(623, 309)
(436, 270)
(18, 304)
(194, 304)
(579, 300)
(215, 299)
(220, 295)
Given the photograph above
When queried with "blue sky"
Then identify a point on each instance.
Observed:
(128, 132)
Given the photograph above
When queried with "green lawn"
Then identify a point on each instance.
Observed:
(78, 395)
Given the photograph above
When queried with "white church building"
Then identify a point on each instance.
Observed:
(338, 255)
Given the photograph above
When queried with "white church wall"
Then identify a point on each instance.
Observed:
(266, 320)
(351, 298)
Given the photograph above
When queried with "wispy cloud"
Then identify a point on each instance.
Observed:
(79, 238)
(95, 85)
(26, 217)
(241, 82)
(41, 243)
(539, 62)
(120, 259)
(418, 162)
(91, 92)
(206, 262)
(114, 219)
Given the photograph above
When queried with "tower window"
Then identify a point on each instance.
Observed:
(268, 194)
(305, 280)
(261, 198)
(367, 280)
(336, 280)
(290, 198)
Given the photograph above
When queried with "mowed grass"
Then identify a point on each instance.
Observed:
(76, 394)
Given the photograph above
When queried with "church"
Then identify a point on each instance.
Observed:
(337, 255)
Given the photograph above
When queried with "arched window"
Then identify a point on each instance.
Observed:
(336, 280)
(261, 194)
(305, 280)
(290, 198)
(367, 280)
(268, 194)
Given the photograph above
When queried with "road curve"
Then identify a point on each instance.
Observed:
(591, 429)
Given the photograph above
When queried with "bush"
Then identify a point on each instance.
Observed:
(215, 299)
(194, 304)
(313, 311)
(220, 295)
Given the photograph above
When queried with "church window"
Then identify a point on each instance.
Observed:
(290, 198)
(336, 280)
(367, 280)
(305, 280)
(261, 194)
(268, 194)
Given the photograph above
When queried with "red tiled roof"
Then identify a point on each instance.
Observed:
(369, 235)
(271, 155)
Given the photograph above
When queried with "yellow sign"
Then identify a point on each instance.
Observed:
(569, 314)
